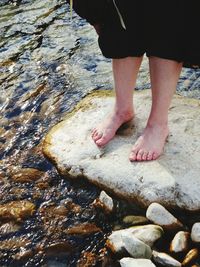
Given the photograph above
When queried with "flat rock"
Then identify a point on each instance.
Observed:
(172, 180)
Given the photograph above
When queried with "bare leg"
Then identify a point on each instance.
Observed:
(125, 73)
(164, 77)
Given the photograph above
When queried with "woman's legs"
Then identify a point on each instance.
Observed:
(164, 77)
(125, 72)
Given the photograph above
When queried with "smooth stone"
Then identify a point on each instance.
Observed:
(191, 256)
(130, 262)
(195, 232)
(135, 220)
(107, 201)
(165, 260)
(148, 234)
(135, 247)
(180, 242)
(159, 215)
(172, 180)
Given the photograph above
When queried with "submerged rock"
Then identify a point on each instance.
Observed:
(172, 180)
(83, 229)
(27, 175)
(9, 227)
(17, 210)
(159, 215)
(130, 262)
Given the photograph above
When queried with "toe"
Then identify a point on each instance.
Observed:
(101, 141)
(93, 132)
(140, 155)
(150, 155)
(155, 155)
(97, 136)
(144, 156)
(132, 156)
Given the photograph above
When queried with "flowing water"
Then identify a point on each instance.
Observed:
(48, 62)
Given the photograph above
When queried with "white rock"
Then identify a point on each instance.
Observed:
(180, 242)
(172, 180)
(195, 233)
(165, 260)
(107, 201)
(130, 262)
(115, 242)
(135, 247)
(159, 215)
(148, 234)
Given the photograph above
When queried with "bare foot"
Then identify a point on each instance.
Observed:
(106, 130)
(150, 144)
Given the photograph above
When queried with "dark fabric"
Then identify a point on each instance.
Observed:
(167, 29)
(94, 11)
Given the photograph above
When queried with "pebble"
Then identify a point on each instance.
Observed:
(135, 247)
(195, 232)
(191, 256)
(148, 234)
(165, 260)
(130, 262)
(180, 242)
(107, 201)
(135, 220)
(161, 216)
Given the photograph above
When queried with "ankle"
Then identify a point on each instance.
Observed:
(124, 113)
(158, 123)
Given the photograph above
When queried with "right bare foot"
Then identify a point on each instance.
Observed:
(106, 130)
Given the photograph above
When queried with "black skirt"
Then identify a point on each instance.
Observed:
(168, 29)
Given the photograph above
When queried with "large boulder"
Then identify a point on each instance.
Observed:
(172, 180)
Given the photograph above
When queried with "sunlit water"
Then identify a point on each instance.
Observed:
(48, 62)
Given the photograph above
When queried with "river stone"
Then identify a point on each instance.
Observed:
(159, 215)
(191, 256)
(180, 242)
(135, 247)
(130, 262)
(106, 201)
(135, 220)
(172, 180)
(195, 233)
(165, 260)
(148, 234)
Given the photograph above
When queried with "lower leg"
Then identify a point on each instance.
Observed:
(164, 77)
(125, 73)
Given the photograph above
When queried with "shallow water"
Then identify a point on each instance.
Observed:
(49, 62)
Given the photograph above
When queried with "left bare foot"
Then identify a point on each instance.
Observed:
(150, 144)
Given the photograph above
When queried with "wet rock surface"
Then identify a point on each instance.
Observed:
(47, 64)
